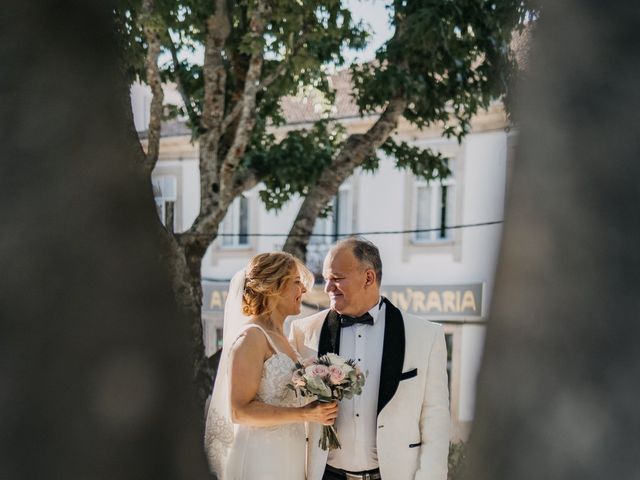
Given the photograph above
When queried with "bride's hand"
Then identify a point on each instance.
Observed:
(319, 412)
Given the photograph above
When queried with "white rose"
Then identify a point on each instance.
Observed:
(336, 359)
(346, 368)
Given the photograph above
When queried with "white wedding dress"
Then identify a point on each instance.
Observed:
(261, 453)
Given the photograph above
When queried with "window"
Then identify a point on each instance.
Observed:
(234, 228)
(322, 233)
(333, 227)
(434, 203)
(165, 194)
(343, 211)
(338, 222)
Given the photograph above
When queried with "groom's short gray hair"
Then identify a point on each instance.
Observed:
(365, 252)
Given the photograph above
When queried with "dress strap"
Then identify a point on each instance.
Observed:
(271, 342)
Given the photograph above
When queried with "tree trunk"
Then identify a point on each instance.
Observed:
(559, 381)
(152, 27)
(356, 149)
(188, 287)
(93, 362)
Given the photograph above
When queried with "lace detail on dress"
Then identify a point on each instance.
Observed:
(218, 439)
(276, 374)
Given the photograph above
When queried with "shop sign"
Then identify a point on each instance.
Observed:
(213, 296)
(437, 301)
(441, 301)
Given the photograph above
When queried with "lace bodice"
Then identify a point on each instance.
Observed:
(276, 374)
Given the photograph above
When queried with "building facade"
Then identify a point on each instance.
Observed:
(439, 241)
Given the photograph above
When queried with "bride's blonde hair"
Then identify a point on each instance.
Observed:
(266, 277)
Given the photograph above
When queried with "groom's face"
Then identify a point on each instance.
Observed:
(346, 282)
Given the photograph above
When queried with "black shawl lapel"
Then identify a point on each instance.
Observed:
(392, 354)
(330, 335)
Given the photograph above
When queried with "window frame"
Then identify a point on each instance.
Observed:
(434, 189)
(332, 227)
(453, 245)
(233, 218)
(161, 200)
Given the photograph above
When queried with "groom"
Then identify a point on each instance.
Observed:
(398, 429)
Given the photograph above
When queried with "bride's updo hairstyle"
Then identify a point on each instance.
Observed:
(266, 277)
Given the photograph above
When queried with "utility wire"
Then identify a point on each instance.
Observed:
(387, 232)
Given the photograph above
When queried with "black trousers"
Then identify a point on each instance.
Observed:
(331, 474)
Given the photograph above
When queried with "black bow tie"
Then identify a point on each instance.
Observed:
(347, 321)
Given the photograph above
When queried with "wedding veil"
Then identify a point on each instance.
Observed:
(219, 429)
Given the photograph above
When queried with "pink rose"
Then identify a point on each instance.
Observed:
(336, 374)
(317, 371)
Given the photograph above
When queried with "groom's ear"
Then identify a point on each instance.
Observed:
(370, 278)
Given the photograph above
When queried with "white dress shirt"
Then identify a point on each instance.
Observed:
(356, 424)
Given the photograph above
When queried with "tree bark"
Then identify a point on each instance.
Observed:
(356, 149)
(151, 25)
(558, 383)
(247, 117)
(95, 381)
(215, 77)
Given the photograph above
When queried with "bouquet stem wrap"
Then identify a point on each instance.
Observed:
(329, 439)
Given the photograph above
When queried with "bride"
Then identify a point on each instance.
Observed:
(255, 424)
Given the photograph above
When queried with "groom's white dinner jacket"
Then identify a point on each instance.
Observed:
(413, 401)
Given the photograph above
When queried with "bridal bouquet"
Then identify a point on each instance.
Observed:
(329, 378)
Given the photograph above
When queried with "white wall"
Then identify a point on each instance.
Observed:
(470, 359)
(141, 102)
(484, 193)
(380, 204)
(187, 176)
(383, 201)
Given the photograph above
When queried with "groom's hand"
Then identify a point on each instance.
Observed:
(319, 412)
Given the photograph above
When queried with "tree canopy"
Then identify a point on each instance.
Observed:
(234, 61)
(445, 62)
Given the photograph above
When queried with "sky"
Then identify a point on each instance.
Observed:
(373, 13)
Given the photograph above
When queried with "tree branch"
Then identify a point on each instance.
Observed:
(251, 88)
(215, 78)
(150, 26)
(193, 118)
(244, 181)
(356, 149)
(264, 83)
(215, 75)
(231, 117)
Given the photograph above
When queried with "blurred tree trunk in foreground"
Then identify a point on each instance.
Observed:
(559, 384)
(94, 373)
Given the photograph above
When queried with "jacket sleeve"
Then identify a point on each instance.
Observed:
(434, 419)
